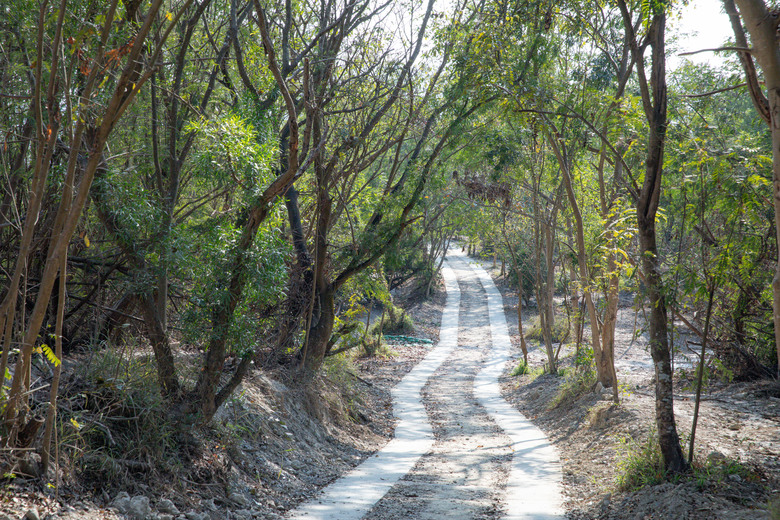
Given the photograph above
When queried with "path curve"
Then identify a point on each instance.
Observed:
(353, 495)
(533, 488)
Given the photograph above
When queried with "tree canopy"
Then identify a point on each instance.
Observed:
(242, 180)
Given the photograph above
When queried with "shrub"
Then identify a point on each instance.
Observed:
(396, 322)
(117, 422)
(576, 383)
(522, 368)
(561, 332)
(639, 463)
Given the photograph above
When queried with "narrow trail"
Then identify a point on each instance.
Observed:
(460, 451)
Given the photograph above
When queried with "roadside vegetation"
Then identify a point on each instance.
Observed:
(194, 193)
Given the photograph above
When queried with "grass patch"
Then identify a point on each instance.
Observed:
(560, 334)
(576, 382)
(524, 369)
(340, 370)
(639, 463)
(521, 369)
(717, 469)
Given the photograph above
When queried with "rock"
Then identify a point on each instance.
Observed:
(735, 478)
(121, 502)
(238, 498)
(139, 508)
(32, 514)
(599, 388)
(165, 516)
(29, 465)
(166, 506)
(192, 515)
(210, 505)
(716, 457)
(243, 514)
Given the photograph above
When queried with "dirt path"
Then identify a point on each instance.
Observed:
(465, 472)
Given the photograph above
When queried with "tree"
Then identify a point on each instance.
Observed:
(654, 103)
(762, 24)
(93, 94)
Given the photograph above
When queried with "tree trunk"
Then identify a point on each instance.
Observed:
(603, 362)
(516, 267)
(654, 101)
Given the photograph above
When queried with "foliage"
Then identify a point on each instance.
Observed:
(521, 369)
(396, 321)
(118, 423)
(576, 383)
(189, 228)
(561, 333)
(639, 463)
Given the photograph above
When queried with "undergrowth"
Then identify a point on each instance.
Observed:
(577, 382)
(524, 368)
(396, 321)
(640, 464)
(521, 369)
(561, 331)
(113, 422)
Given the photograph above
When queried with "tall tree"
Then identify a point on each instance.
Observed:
(654, 102)
(762, 23)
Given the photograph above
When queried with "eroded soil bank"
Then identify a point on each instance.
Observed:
(737, 438)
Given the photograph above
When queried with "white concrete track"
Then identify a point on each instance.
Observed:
(352, 496)
(534, 487)
(533, 490)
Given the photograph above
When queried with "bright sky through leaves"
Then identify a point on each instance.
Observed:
(702, 24)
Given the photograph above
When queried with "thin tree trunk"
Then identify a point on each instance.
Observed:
(700, 375)
(655, 107)
(516, 267)
(51, 413)
(603, 363)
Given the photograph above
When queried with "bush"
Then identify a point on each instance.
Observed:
(639, 464)
(561, 332)
(585, 356)
(116, 421)
(396, 321)
(522, 368)
(576, 383)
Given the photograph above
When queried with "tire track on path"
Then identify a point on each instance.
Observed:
(464, 473)
(533, 490)
(351, 496)
(487, 462)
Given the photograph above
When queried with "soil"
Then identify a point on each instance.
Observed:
(274, 444)
(463, 474)
(737, 437)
